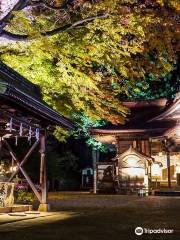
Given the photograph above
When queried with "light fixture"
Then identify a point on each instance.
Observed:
(13, 168)
(2, 170)
(132, 162)
(155, 170)
(134, 172)
(160, 154)
(177, 169)
(178, 132)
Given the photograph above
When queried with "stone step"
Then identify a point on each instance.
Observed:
(167, 193)
(16, 208)
(17, 214)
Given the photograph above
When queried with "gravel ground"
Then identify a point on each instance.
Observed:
(76, 200)
(83, 216)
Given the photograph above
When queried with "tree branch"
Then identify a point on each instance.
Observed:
(19, 37)
(46, 5)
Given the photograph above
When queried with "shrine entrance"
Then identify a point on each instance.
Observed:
(133, 170)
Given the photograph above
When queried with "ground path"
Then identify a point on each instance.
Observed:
(103, 217)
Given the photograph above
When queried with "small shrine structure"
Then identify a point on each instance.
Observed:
(23, 114)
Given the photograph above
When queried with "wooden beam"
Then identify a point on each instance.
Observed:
(43, 174)
(38, 195)
(23, 171)
(143, 147)
(148, 147)
(169, 169)
(117, 146)
(95, 156)
(28, 154)
(134, 144)
(0, 146)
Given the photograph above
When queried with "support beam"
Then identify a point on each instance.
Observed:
(169, 169)
(143, 147)
(44, 206)
(148, 147)
(0, 146)
(95, 156)
(22, 170)
(117, 146)
(24, 160)
(134, 144)
(43, 180)
(38, 195)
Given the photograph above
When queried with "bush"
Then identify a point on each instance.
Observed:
(22, 195)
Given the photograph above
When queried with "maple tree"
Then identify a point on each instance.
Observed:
(84, 54)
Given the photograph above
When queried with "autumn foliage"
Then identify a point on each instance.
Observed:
(85, 54)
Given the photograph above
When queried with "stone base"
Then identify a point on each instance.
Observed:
(44, 207)
(16, 208)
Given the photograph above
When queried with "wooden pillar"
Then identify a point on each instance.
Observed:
(94, 172)
(95, 156)
(166, 147)
(134, 144)
(169, 169)
(143, 149)
(138, 145)
(44, 206)
(147, 147)
(0, 146)
(117, 146)
(117, 154)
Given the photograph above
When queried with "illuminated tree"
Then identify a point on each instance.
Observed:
(84, 54)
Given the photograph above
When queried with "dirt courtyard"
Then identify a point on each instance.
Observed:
(82, 216)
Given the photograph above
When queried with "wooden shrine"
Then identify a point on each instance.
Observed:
(153, 132)
(23, 114)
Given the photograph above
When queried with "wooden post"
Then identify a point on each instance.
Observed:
(44, 206)
(117, 146)
(166, 147)
(169, 169)
(143, 150)
(95, 156)
(134, 144)
(148, 147)
(1, 146)
(117, 154)
(94, 172)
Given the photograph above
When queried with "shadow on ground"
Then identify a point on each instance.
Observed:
(103, 217)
